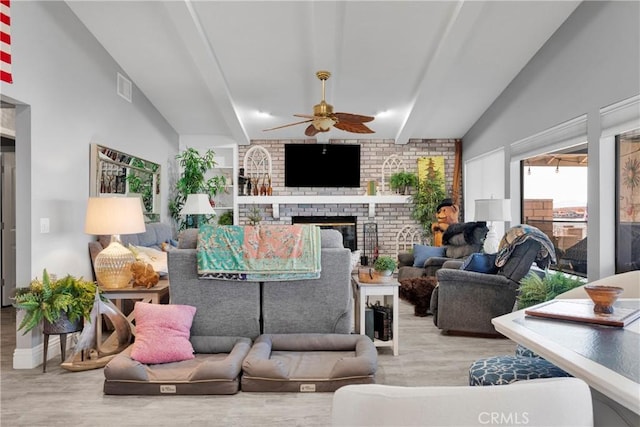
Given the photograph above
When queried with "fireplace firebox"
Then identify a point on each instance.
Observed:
(346, 225)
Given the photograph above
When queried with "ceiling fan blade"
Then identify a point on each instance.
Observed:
(353, 118)
(305, 116)
(313, 131)
(286, 126)
(353, 127)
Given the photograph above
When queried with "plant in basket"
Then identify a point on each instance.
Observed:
(53, 301)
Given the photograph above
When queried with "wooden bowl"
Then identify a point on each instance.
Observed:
(603, 297)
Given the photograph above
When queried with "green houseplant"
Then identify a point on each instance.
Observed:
(226, 218)
(384, 265)
(402, 181)
(50, 300)
(534, 289)
(429, 193)
(193, 181)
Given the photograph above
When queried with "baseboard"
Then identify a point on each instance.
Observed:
(29, 358)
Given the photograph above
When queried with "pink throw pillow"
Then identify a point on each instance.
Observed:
(162, 333)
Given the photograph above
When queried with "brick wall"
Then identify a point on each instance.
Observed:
(390, 218)
(539, 213)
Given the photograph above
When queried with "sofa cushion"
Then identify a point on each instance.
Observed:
(162, 333)
(188, 239)
(481, 263)
(331, 239)
(423, 252)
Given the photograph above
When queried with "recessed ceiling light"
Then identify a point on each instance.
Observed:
(263, 114)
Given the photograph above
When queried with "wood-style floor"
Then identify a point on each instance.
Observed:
(62, 398)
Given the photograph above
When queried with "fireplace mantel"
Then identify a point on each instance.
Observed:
(276, 201)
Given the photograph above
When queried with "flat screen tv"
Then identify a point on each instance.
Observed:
(321, 165)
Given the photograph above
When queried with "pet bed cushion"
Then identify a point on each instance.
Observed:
(308, 362)
(206, 373)
(162, 332)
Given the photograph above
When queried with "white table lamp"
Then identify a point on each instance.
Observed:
(492, 210)
(197, 204)
(114, 216)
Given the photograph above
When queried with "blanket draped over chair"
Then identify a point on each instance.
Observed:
(521, 233)
(259, 253)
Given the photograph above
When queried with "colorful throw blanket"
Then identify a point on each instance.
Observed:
(259, 253)
(519, 234)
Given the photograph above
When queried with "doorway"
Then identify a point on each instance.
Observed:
(7, 204)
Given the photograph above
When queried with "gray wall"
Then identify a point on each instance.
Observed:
(592, 61)
(65, 88)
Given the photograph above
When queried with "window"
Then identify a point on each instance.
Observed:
(554, 199)
(628, 201)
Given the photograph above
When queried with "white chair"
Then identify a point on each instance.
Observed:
(629, 281)
(546, 402)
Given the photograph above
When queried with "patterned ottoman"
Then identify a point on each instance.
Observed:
(501, 370)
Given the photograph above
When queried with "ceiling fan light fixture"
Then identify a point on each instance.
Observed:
(324, 118)
(323, 124)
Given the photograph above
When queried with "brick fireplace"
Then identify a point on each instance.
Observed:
(346, 225)
(390, 218)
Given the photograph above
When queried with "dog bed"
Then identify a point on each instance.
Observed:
(207, 373)
(308, 362)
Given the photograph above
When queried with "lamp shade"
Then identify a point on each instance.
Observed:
(197, 204)
(493, 210)
(114, 215)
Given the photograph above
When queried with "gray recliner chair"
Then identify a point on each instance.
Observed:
(466, 301)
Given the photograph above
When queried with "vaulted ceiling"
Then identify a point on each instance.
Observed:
(425, 69)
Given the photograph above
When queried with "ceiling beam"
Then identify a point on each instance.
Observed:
(457, 31)
(190, 30)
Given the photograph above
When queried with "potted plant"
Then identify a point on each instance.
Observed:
(384, 265)
(254, 216)
(61, 305)
(402, 181)
(226, 218)
(535, 289)
(193, 181)
(429, 194)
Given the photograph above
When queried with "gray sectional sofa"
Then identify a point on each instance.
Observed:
(230, 314)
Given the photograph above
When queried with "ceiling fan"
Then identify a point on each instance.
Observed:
(324, 117)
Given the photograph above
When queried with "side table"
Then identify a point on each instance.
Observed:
(151, 295)
(361, 291)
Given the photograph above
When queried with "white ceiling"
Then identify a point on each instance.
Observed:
(426, 69)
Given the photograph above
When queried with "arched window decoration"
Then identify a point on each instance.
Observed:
(408, 236)
(391, 165)
(257, 166)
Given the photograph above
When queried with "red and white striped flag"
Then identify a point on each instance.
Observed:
(5, 42)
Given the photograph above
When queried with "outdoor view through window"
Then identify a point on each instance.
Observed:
(554, 193)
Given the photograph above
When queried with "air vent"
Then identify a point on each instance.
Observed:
(124, 87)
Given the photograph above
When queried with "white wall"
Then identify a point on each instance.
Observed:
(592, 61)
(65, 85)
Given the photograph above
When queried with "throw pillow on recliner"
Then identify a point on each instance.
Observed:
(481, 263)
(421, 253)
